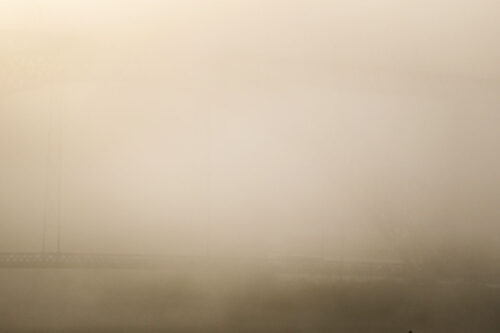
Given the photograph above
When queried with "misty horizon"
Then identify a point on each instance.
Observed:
(363, 131)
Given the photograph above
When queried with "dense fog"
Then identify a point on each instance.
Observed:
(346, 130)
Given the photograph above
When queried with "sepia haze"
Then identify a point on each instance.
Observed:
(360, 130)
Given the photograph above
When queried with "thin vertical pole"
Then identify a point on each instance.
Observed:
(53, 181)
(323, 227)
(209, 183)
(47, 180)
(59, 179)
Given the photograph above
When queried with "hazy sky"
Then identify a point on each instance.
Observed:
(251, 127)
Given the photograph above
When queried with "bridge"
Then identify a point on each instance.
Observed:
(294, 266)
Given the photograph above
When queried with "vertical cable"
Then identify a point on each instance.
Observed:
(53, 175)
(209, 183)
(59, 178)
(47, 181)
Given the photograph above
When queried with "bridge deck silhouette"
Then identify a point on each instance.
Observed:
(291, 265)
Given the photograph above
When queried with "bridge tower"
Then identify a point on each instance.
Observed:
(51, 231)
